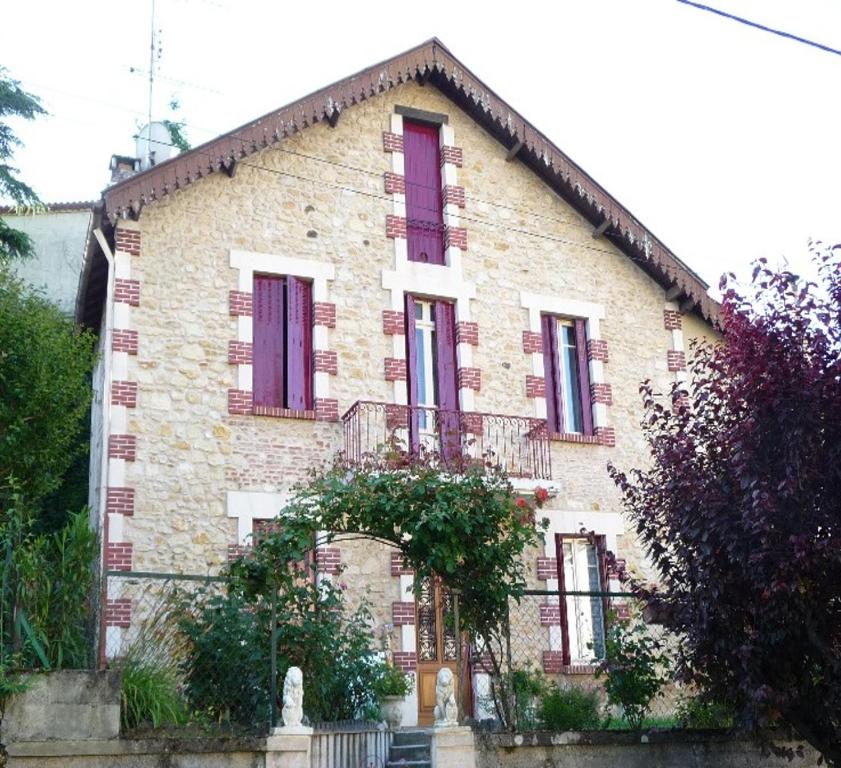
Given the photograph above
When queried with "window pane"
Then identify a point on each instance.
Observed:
(571, 384)
(596, 612)
(419, 345)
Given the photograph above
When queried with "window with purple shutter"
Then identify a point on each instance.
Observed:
(424, 207)
(566, 375)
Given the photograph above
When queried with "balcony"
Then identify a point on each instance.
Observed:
(516, 444)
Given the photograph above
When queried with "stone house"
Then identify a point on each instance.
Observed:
(401, 252)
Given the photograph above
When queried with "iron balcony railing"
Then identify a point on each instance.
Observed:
(517, 444)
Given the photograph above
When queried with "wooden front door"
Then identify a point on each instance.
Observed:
(436, 643)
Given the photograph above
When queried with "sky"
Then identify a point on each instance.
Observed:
(724, 140)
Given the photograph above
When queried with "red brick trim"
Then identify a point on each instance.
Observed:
(240, 303)
(398, 567)
(402, 613)
(282, 413)
(240, 353)
(672, 320)
(328, 560)
(532, 342)
(394, 323)
(472, 423)
(553, 664)
(676, 360)
(324, 313)
(127, 291)
(601, 393)
(470, 378)
(454, 155)
(327, 362)
(326, 409)
(124, 393)
(395, 226)
(535, 386)
(395, 370)
(455, 237)
(467, 332)
(396, 416)
(118, 556)
(597, 350)
(122, 447)
(128, 241)
(235, 551)
(118, 612)
(395, 184)
(124, 340)
(392, 142)
(482, 663)
(240, 401)
(547, 568)
(453, 195)
(405, 661)
(574, 437)
(120, 501)
(606, 436)
(550, 615)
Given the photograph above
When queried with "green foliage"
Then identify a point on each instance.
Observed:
(697, 712)
(569, 708)
(45, 365)
(390, 681)
(634, 669)
(11, 683)
(149, 696)
(522, 688)
(14, 102)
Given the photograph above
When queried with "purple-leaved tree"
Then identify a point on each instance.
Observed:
(740, 507)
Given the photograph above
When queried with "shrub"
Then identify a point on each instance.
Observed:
(390, 681)
(701, 714)
(149, 696)
(569, 709)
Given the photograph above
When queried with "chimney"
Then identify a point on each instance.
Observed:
(123, 166)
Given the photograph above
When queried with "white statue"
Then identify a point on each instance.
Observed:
(445, 712)
(293, 697)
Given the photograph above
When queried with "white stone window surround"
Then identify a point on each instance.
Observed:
(247, 506)
(540, 304)
(319, 272)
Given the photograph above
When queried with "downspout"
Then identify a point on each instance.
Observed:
(106, 431)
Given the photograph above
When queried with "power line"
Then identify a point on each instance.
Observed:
(756, 25)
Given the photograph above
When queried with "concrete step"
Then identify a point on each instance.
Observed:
(410, 752)
(413, 737)
(409, 764)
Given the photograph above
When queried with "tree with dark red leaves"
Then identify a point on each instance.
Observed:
(740, 508)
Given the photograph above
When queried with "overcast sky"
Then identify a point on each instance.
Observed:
(723, 139)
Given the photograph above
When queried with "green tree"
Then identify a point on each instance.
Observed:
(14, 102)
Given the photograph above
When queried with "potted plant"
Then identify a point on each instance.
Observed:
(392, 687)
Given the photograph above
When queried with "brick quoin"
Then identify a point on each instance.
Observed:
(395, 184)
(547, 568)
(550, 615)
(470, 378)
(327, 362)
(122, 447)
(324, 313)
(392, 142)
(395, 226)
(395, 370)
(240, 303)
(472, 423)
(396, 416)
(120, 501)
(676, 360)
(455, 237)
(467, 332)
(240, 401)
(236, 551)
(394, 323)
(601, 393)
(597, 350)
(532, 343)
(606, 435)
(402, 613)
(127, 291)
(328, 560)
(326, 409)
(453, 195)
(398, 567)
(124, 341)
(124, 393)
(553, 662)
(118, 612)
(535, 386)
(118, 556)
(240, 353)
(454, 155)
(405, 661)
(128, 241)
(672, 320)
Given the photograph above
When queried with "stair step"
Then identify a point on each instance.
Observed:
(409, 764)
(410, 751)
(412, 738)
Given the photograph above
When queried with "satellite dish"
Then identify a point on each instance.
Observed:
(153, 145)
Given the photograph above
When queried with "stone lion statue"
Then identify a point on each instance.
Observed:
(293, 697)
(445, 712)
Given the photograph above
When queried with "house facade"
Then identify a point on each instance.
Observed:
(400, 254)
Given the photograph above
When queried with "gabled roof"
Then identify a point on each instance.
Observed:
(431, 62)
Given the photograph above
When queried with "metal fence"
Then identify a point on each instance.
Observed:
(350, 744)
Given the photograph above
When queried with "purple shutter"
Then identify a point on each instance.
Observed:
(584, 377)
(268, 341)
(551, 374)
(412, 373)
(299, 344)
(424, 211)
(447, 380)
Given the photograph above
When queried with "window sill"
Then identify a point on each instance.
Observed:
(578, 669)
(574, 437)
(283, 413)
